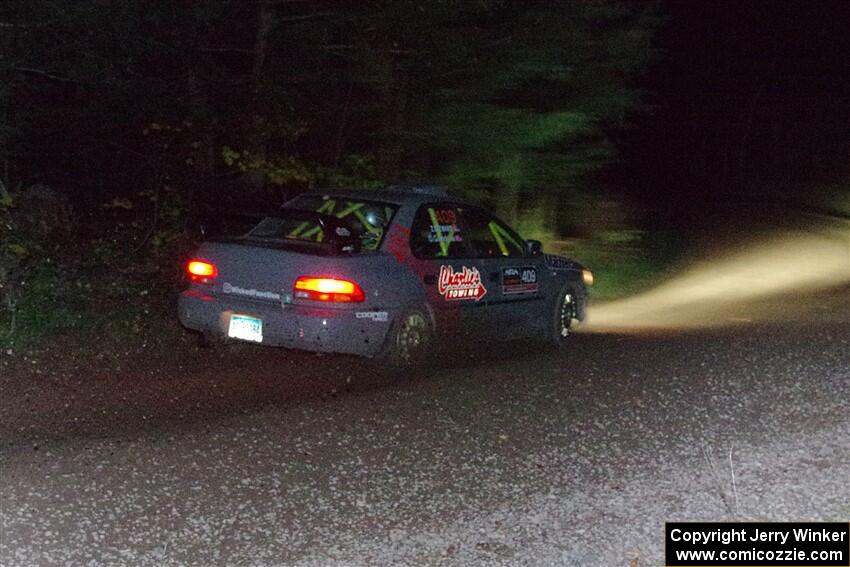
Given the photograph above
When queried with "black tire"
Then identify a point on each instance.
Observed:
(409, 340)
(569, 304)
(208, 340)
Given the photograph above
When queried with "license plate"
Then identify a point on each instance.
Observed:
(246, 328)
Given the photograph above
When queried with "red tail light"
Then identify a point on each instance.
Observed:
(200, 271)
(328, 289)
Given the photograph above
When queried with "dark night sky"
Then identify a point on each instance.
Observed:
(752, 101)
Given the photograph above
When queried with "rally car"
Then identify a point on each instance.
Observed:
(385, 273)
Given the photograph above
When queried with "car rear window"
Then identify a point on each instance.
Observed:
(368, 220)
(288, 228)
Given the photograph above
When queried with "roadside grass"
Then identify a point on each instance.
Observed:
(96, 307)
(47, 304)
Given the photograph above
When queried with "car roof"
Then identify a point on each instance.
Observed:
(403, 194)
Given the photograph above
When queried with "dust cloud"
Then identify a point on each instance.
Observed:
(755, 280)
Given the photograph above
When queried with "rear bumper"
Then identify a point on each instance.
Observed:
(293, 326)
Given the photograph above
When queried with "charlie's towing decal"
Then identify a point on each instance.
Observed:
(466, 284)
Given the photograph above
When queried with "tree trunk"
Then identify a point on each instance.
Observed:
(254, 138)
(390, 157)
(265, 22)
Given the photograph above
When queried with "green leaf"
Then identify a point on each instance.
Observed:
(119, 203)
(17, 249)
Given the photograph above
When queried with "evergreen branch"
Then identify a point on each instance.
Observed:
(42, 73)
(226, 50)
(303, 17)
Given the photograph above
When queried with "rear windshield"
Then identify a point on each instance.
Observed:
(368, 220)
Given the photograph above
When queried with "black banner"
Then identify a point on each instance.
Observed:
(757, 544)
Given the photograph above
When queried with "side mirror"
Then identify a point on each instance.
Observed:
(534, 247)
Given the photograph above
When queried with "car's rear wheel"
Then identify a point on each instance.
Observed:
(207, 339)
(216, 341)
(409, 340)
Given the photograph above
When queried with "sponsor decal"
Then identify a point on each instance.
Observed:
(444, 233)
(444, 228)
(376, 316)
(258, 294)
(516, 281)
(465, 284)
(445, 216)
(558, 263)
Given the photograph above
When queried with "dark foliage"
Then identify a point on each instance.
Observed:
(110, 99)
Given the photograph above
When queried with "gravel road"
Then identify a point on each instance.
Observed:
(502, 456)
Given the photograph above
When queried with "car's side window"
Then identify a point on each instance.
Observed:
(491, 238)
(437, 233)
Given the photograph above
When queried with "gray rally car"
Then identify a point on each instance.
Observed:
(381, 274)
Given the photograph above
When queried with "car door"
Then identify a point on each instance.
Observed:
(454, 284)
(515, 302)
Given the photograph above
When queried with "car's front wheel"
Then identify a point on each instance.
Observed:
(566, 311)
(409, 340)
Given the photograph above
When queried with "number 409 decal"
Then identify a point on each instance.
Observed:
(519, 280)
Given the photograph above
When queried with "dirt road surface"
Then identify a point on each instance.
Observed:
(500, 455)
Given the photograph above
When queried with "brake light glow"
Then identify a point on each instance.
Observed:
(200, 271)
(328, 289)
